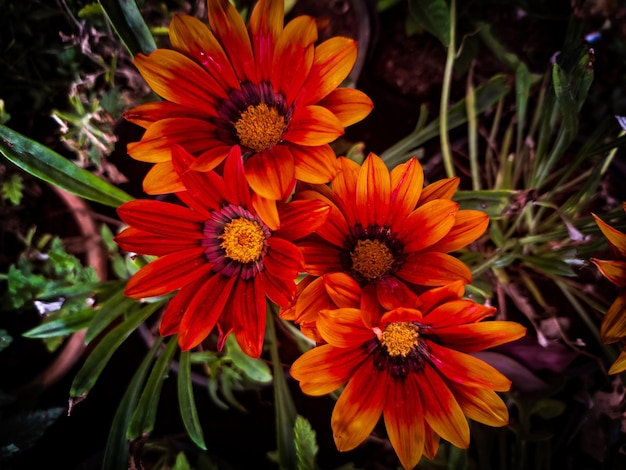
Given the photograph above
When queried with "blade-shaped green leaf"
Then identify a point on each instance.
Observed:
(485, 96)
(186, 401)
(144, 417)
(99, 357)
(129, 25)
(47, 165)
(113, 307)
(116, 451)
(433, 16)
(62, 326)
(492, 202)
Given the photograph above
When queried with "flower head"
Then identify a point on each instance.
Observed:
(219, 253)
(267, 89)
(413, 366)
(613, 327)
(386, 233)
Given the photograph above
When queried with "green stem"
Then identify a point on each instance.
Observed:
(445, 96)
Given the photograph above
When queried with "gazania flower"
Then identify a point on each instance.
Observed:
(266, 88)
(386, 233)
(218, 253)
(613, 327)
(413, 366)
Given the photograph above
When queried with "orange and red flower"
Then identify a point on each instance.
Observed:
(266, 88)
(219, 253)
(613, 327)
(386, 233)
(412, 365)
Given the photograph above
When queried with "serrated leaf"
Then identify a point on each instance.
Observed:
(306, 444)
(186, 401)
(116, 451)
(144, 417)
(12, 188)
(47, 165)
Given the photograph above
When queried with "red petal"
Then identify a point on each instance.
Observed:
(311, 300)
(407, 180)
(299, 218)
(457, 312)
(173, 315)
(180, 80)
(146, 114)
(162, 179)
(393, 293)
(359, 407)
(615, 238)
(193, 38)
(280, 291)
(613, 327)
(434, 269)
(229, 28)
(271, 173)
(335, 229)
(294, 47)
(614, 271)
(349, 105)
(441, 410)
(325, 368)
(373, 190)
(468, 227)
(167, 274)
(428, 224)
(313, 126)
(265, 26)
(442, 189)
(484, 406)
(333, 60)
(479, 336)
(404, 420)
(133, 240)
(467, 370)
(204, 310)
(156, 144)
(343, 290)
(344, 328)
(283, 259)
(248, 311)
(211, 158)
(315, 165)
(162, 218)
(320, 258)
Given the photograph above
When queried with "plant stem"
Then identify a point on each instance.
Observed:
(445, 96)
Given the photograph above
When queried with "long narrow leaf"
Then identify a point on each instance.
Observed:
(485, 95)
(99, 357)
(116, 451)
(129, 25)
(113, 307)
(62, 326)
(144, 417)
(186, 402)
(47, 165)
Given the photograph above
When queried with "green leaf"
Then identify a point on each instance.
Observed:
(433, 16)
(5, 339)
(181, 462)
(565, 99)
(144, 417)
(548, 408)
(485, 96)
(47, 165)
(62, 326)
(551, 266)
(128, 23)
(306, 444)
(284, 407)
(255, 369)
(492, 202)
(186, 401)
(116, 451)
(12, 188)
(99, 357)
(112, 308)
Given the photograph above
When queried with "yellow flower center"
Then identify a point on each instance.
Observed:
(259, 127)
(371, 258)
(243, 240)
(400, 338)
